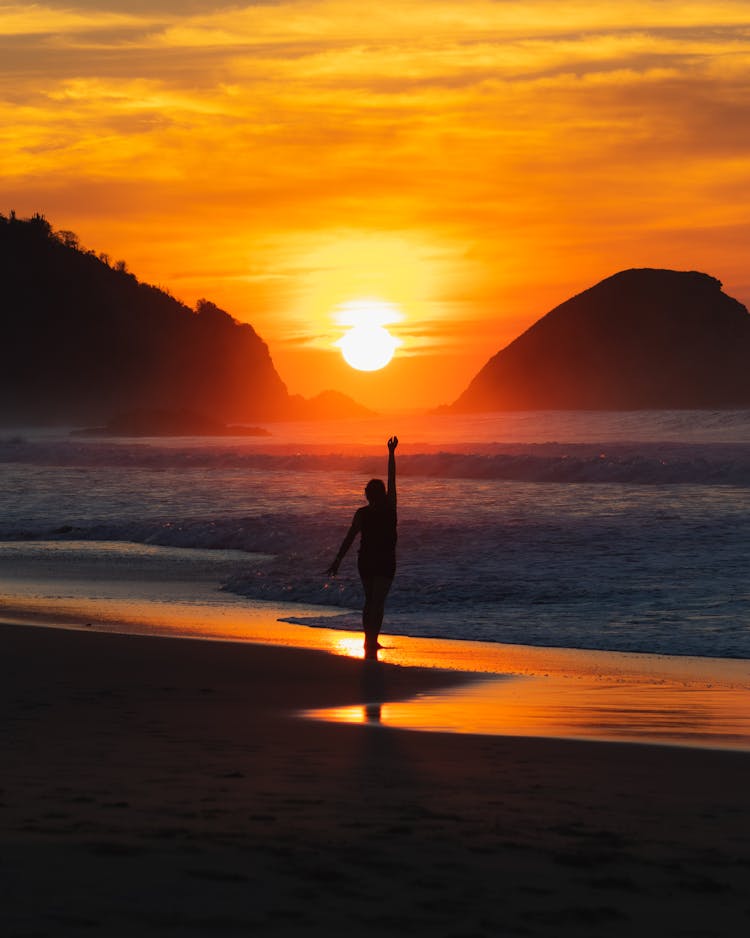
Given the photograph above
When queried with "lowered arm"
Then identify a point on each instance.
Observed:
(353, 531)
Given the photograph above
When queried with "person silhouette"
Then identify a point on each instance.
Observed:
(376, 523)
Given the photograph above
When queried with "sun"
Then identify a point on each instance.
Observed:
(367, 348)
(367, 345)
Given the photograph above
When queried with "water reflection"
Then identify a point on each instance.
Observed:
(373, 688)
(670, 712)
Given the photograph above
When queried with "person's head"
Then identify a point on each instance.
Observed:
(375, 491)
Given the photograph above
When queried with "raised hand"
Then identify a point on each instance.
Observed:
(392, 443)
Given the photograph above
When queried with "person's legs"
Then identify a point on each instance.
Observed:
(376, 590)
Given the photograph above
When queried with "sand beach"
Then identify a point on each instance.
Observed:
(158, 786)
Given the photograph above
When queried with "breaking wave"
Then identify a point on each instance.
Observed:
(635, 464)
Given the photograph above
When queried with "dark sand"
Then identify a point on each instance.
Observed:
(165, 787)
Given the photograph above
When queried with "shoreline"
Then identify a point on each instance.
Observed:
(483, 689)
(90, 578)
(488, 689)
(154, 787)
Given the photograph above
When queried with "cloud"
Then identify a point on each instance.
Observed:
(243, 137)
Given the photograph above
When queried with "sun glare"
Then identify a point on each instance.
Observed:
(367, 348)
(367, 344)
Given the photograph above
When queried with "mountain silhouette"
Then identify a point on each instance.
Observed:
(641, 339)
(330, 404)
(84, 341)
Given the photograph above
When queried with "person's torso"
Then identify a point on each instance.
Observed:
(379, 530)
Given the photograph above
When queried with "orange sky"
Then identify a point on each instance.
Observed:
(474, 163)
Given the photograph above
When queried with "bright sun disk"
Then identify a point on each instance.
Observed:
(367, 345)
(367, 348)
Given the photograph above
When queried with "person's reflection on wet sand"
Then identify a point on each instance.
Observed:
(373, 689)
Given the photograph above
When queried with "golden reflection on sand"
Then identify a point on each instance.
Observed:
(349, 644)
(510, 689)
(674, 713)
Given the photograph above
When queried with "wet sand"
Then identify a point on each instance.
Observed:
(512, 690)
(154, 786)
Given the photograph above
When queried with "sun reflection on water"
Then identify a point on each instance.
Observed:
(352, 646)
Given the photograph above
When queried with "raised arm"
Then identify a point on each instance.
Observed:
(353, 531)
(392, 444)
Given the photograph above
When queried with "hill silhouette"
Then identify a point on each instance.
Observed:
(330, 404)
(84, 341)
(641, 339)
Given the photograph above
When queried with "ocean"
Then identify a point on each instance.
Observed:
(614, 531)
